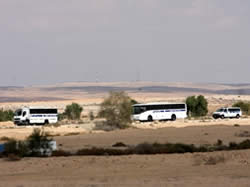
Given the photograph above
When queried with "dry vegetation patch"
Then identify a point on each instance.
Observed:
(208, 159)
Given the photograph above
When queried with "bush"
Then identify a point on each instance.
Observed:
(119, 144)
(14, 147)
(60, 152)
(197, 106)
(6, 115)
(133, 102)
(102, 151)
(116, 109)
(91, 115)
(61, 116)
(73, 111)
(39, 143)
(244, 106)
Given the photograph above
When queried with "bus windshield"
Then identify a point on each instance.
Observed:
(18, 112)
(139, 109)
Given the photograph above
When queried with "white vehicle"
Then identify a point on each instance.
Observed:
(159, 111)
(232, 112)
(35, 115)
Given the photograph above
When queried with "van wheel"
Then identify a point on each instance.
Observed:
(238, 116)
(150, 118)
(173, 117)
(222, 117)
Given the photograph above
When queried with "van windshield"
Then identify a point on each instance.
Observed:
(18, 112)
(220, 110)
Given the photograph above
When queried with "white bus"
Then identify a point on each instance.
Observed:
(35, 115)
(159, 111)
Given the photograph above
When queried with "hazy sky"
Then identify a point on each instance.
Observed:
(50, 41)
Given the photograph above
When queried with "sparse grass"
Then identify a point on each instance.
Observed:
(53, 135)
(53, 125)
(213, 160)
(243, 134)
(61, 152)
(103, 126)
(72, 134)
(202, 159)
(5, 139)
(119, 144)
(13, 157)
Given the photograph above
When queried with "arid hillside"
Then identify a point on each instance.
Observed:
(91, 94)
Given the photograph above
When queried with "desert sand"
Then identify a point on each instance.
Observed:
(197, 169)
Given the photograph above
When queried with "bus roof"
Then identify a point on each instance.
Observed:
(39, 107)
(157, 103)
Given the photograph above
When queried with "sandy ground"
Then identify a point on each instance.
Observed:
(135, 170)
(8, 129)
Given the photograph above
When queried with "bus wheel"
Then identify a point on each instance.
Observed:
(150, 118)
(173, 117)
(46, 122)
(238, 116)
(27, 122)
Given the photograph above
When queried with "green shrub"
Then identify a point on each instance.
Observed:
(158, 148)
(61, 116)
(14, 147)
(6, 115)
(32, 146)
(60, 152)
(73, 111)
(244, 106)
(37, 141)
(116, 109)
(133, 102)
(10, 147)
(102, 151)
(197, 106)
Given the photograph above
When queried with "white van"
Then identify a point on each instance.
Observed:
(35, 115)
(232, 112)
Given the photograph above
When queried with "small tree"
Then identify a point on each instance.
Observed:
(191, 104)
(244, 106)
(197, 106)
(37, 144)
(38, 141)
(73, 111)
(6, 115)
(116, 109)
